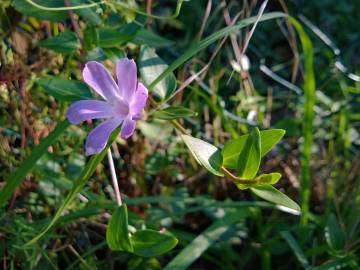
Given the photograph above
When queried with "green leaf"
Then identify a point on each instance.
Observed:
(271, 179)
(250, 156)
(30, 10)
(271, 194)
(174, 112)
(296, 248)
(65, 90)
(233, 148)
(268, 178)
(114, 37)
(333, 234)
(151, 39)
(150, 67)
(205, 154)
(14, 179)
(77, 187)
(150, 243)
(65, 42)
(117, 234)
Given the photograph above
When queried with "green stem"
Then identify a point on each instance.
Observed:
(64, 8)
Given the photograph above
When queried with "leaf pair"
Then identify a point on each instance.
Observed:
(244, 154)
(144, 243)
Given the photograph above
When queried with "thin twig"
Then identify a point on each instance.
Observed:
(248, 37)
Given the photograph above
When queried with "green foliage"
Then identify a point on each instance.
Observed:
(65, 42)
(185, 211)
(26, 8)
(174, 112)
(113, 37)
(271, 194)
(233, 148)
(150, 243)
(15, 178)
(250, 156)
(64, 90)
(151, 66)
(117, 234)
(205, 154)
(77, 187)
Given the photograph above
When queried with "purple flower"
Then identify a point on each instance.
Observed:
(123, 103)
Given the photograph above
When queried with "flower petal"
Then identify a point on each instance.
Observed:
(127, 128)
(126, 77)
(98, 137)
(97, 77)
(139, 100)
(83, 110)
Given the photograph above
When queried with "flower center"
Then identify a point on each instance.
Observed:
(121, 108)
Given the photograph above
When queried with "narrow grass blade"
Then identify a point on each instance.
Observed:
(309, 100)
(294, 245)
(14, 179)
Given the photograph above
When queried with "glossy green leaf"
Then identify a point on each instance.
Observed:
(270, 178)
(250, 156)
(271, 194)
(114, 37)
(14, 179)
(174, 112)
(233, 148)
(30, 10)
(151, 39)
(117, 234)
(205, 154)
(150, 243)
(77, 187)
(65, 42)
(333, 233)
(64, 90)
(150, 67)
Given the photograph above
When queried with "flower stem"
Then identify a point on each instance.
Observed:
(114, 178)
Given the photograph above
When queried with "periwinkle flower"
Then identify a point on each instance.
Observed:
(123, 103)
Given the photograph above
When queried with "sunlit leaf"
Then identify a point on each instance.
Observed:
(151, 66)
(205, 154)
(271, 194)
(233, 148)
(250, 156)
